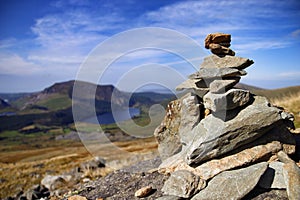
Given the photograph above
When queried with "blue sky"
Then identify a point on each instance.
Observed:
(42, 42)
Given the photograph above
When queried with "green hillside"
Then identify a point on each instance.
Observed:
(53, 105)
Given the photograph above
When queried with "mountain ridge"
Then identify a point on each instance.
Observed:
(53, 105)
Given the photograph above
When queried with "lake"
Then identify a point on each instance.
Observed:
(108, 118)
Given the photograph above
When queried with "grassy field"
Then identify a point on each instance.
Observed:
(290, 103)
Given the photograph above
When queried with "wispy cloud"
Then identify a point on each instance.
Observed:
(290, 75)
(240, 18)
(12, 64)
(296, 33)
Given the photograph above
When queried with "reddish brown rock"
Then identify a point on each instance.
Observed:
(143, 192)
(243, 158)
(216, 166)
(218, 38)
(77, 197)
(220, 50)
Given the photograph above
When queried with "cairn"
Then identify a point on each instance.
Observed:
(221, 142)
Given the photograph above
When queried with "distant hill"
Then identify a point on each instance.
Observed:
(13, 96)
(278, 93)
(3, 104)
(53, 105)
(248, 87)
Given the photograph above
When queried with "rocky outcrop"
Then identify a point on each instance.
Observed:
(229, 137)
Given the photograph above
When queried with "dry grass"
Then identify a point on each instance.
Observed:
(20, 176)
(20, 170)
(291, 103)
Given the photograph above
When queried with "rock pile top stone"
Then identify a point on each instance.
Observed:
(219, 44)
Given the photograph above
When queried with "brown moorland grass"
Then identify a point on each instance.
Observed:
(291, 103)
(288, 98)
(21, 169)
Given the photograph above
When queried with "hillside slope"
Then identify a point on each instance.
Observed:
(53, 105)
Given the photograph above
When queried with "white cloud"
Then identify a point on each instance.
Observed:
(296, 33)
(290, 75)
(12, 64)
(7, 43)
(260, 44)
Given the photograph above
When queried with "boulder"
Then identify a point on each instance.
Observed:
(217, 38)
(232, 99)
(273, 177)
(214, 61)
(221, 86)
(215, 135)
(166, 133)
(233, 184)
(183, 184)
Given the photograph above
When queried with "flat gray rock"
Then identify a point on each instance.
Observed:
(189, 84)
(291, 174)
(183, 183)
(221, 86)
(216, 135)
(197, 86)
(232, 99)
(214, 73)
(273, 177)
(166, 134)
(214, 61)
(190, 115)
(233, 184)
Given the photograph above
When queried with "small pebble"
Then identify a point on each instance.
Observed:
(143, 192)
(77, 197)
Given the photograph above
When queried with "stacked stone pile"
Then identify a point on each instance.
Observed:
(220, 142)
